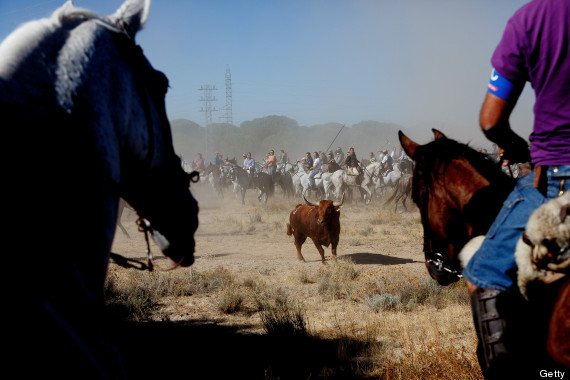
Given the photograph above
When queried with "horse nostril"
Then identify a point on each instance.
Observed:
(187, 261)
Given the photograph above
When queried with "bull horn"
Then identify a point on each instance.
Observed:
(341, 202)
(309, 203)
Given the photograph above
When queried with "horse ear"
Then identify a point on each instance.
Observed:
(438, 135)
(408, 145)
(134, 14)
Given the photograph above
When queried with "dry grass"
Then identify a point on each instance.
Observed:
(386, 318)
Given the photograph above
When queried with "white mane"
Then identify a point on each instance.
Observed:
(25, 39)
(28, 36)
(45, 65)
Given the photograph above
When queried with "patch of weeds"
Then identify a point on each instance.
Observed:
(336, 280)
(264, 271)
(406, 294)
(304, 278)
(432, 361)
(378, 220)
(354, 242)
(255, 217)
(282, 316)
(384, 302)
(210, 280)
(230, 300)
(367, 230)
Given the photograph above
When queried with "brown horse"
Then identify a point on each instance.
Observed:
(403, 191)
(214, 175)
(459, 193)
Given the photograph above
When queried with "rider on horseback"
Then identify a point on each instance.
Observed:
(271, 162)
(534, 47)
(333, 166)
(387, 162)
(315, 169)
(353, 165)
(199, 164)
(249, 166)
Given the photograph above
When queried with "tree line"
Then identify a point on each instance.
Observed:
(260, 135)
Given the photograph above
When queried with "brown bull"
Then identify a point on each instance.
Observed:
(319, 222)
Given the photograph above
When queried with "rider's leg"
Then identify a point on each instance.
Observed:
(510, 329)
(312, 178)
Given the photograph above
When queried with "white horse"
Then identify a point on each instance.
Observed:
(297, 172)
(371, 172)
(300, 177)
(391, 179)
(342, 181)
(79, 93)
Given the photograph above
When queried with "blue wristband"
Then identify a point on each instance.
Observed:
(500, 86)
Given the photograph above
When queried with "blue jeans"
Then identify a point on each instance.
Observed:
(312, 177)
(493, 265)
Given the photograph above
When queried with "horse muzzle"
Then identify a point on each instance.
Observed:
(439, 269)
(178, 255)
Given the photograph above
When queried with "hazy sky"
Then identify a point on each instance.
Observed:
(420, 64)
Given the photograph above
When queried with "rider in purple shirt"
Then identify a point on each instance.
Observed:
(535, 47)
(529, 51)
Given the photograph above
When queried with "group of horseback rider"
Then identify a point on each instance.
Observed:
(312, 164)
(337, 161)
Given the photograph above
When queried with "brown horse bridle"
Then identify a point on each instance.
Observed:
(439, 266)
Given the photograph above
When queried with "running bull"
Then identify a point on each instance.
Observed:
(320, 222)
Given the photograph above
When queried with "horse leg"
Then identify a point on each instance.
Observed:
(365, 191)
(122, 206)
(396, 200)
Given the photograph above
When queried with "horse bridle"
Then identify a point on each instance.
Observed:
(142, 71)
(437, 263)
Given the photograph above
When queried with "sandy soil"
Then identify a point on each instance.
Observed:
(251, 242)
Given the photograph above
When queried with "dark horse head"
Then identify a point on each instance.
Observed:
(459, 192)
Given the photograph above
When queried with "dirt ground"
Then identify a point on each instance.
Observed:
(251, 242)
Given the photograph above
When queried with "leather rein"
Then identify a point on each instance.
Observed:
(437, 263)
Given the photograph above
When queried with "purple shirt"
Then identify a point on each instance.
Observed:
(535, 47)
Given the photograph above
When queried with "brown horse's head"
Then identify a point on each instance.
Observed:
(459, 192)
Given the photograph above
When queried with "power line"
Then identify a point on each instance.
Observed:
(208, 98)
(228, 108)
